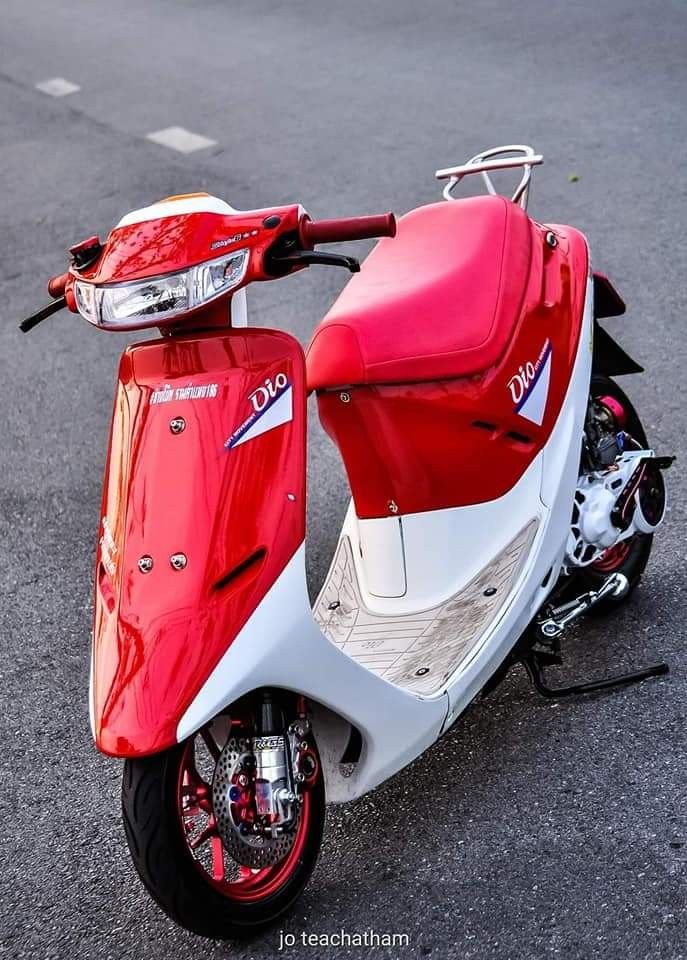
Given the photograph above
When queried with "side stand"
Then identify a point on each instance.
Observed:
(534, 662)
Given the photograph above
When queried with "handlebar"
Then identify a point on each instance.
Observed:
(309, 233)
(347, 228)
(56, 288)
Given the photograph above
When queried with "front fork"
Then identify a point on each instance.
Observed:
(285, 763)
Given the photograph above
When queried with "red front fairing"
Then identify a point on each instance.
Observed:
(227, 491)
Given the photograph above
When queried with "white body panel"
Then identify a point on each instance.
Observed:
(281, 646)
(402, 573)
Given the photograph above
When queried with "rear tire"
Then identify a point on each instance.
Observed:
(186, 892)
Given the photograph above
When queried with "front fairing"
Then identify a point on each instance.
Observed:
(203, 506)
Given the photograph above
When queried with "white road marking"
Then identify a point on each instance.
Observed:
(57, 87)
(178, 138)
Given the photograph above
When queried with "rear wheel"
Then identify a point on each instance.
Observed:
(172, 833)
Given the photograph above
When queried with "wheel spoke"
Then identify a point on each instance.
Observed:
(208, 832)
(217, 858)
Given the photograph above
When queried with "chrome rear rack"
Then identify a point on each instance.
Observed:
(497, 158)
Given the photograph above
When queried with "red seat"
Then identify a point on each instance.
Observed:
(438, 301)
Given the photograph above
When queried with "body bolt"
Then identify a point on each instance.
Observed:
(345, 397)
(177, 425)
(178, 561)
(551, 239)
(145, 564)
(393, 506)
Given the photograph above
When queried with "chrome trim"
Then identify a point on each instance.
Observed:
(558, 619)
(484, 163)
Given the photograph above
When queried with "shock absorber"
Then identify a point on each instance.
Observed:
(274, 796)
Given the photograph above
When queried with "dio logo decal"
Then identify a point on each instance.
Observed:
(262, 396)
(272, 404)
(529, 387)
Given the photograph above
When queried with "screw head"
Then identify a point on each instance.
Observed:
(490, 591)
(551, 239)
(178, 561)
(345, 397)
(145, 564)
(177, 425)
(393, 506)
(422, 672)
(308, 764)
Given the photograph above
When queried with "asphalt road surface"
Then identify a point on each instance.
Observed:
(532, 829)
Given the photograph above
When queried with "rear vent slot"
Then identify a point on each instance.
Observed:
(484, 425)
(518, 437)
(245, 571)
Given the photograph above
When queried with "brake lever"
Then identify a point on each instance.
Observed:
(42, 314)
(309, 257)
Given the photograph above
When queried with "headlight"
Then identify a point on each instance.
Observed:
(145, 303)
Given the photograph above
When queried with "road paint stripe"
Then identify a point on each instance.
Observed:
(57, 87)
(178, 138)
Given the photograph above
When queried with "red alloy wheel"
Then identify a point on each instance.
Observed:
(197, 822)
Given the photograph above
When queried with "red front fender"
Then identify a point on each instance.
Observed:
(203, 506)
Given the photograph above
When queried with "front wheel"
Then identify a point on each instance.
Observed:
(173, 837)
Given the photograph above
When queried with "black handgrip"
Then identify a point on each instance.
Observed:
(42, 314)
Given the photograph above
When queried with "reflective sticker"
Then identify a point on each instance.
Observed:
(108, 548)
(192, 391)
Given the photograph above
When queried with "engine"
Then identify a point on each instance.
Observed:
(620, 491)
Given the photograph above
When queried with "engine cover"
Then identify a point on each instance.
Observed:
(613, 505)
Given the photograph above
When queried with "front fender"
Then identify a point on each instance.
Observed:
(206, 465)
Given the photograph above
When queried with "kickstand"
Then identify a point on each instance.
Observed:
(534, 661)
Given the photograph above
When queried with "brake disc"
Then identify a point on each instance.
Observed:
(250, 849)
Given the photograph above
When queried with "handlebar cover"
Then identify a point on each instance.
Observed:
(56, 285)
(348, 228)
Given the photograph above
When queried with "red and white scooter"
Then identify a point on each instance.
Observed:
(502, 485)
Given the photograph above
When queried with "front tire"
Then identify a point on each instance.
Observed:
(207, 895)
